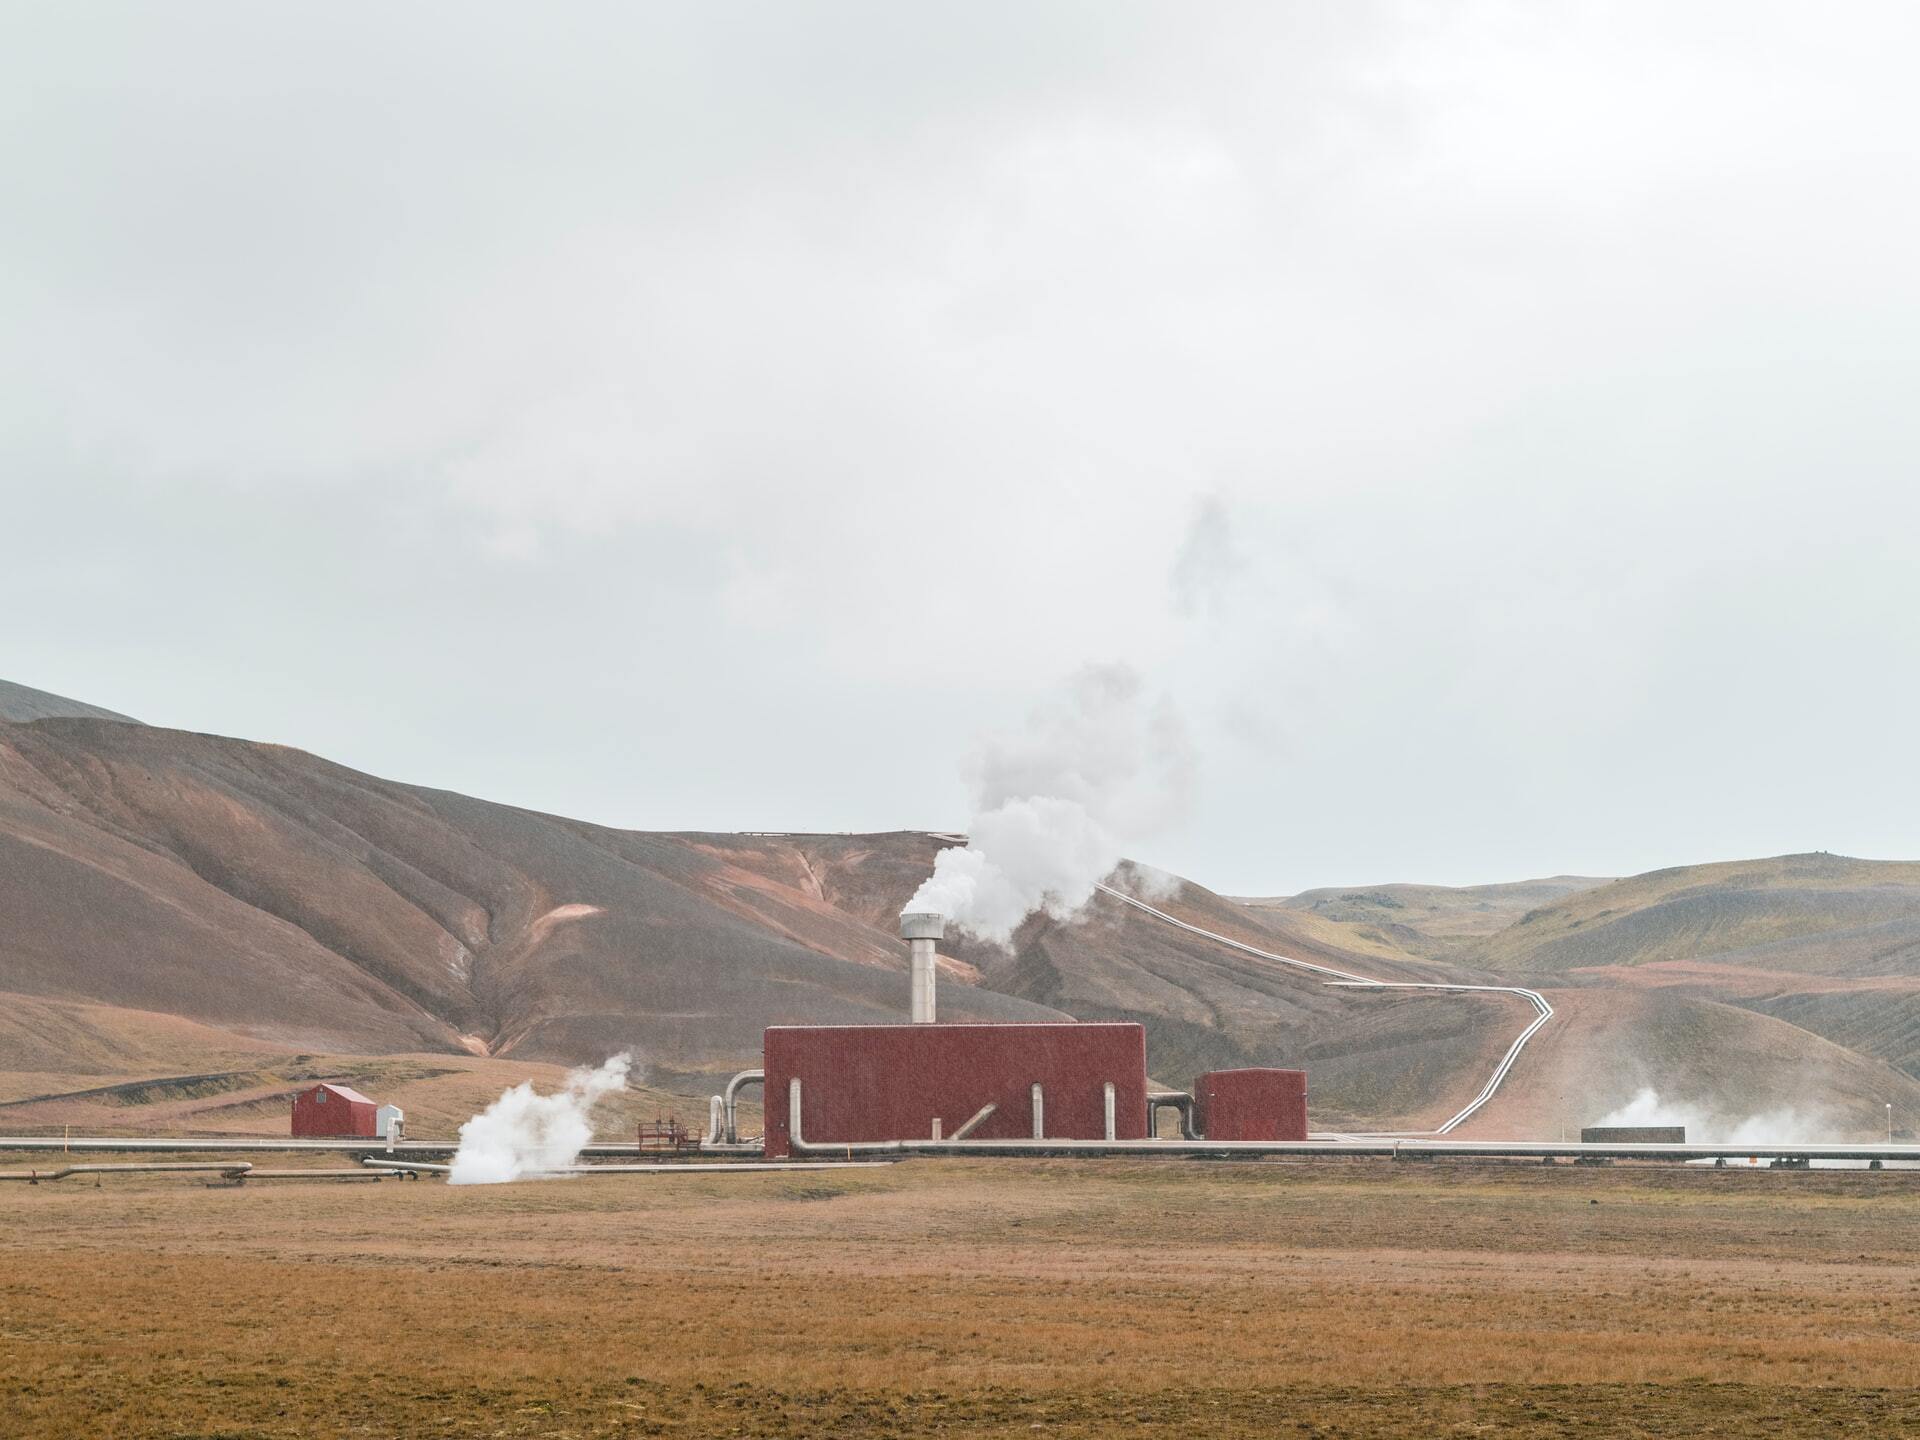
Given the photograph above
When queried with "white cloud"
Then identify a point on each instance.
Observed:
(1550, 365)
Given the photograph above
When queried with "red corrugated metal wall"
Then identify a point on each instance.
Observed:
(889, 1082)
(1251, 1104)
(334, 1116)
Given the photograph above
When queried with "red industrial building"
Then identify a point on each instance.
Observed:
(921, 1082)
(335, 1111)
(863, 1084)
(1251, 1105)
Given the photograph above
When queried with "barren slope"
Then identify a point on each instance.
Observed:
(1829, 943)
(1435, 920)
(175, 907)
(266, 892)
(22, 703)
(181, 904)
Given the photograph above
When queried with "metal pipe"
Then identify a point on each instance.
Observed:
(730, 1167)
(1107, 1103)
(1180, 1100)
(921, 930)
(352, 1147)
(1395, 1149)
(1363, 982)
(1384, 1148)
(1039, 1111)
(130, 1167)
(731, 1099)
(979, 1118)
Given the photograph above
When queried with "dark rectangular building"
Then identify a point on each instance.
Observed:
(1634, 1135)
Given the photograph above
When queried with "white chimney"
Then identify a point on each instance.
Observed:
(920, 929)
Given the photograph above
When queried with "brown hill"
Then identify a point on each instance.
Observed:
(190, 925)
(1724, 1070)
(1432, 920)
(266, 892)
(1827, 942)
(21, 703)
(194, 904)
(1810, 914)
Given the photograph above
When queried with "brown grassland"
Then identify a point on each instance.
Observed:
(971, 1298)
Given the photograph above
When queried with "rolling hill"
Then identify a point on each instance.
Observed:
(191, 925)
(1432, 920)
(1827, 942)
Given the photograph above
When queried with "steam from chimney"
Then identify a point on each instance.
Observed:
(1099, 766)
(525, 1134)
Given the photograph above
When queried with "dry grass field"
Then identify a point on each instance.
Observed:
(971, 1298)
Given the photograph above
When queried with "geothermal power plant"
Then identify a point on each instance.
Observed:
(862, 1094)
(857, 1088)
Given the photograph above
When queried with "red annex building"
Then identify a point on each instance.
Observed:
(1251, 1104)
(335, 1111)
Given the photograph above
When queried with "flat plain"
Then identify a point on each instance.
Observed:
(971, 1298)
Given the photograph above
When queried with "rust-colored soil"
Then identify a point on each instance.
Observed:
(982, 1298)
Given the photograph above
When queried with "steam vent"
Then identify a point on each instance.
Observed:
(829, 1087)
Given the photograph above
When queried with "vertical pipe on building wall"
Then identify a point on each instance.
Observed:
(793, 1112)
(1112, 1131)
(936, 1127)
(1039, 1113)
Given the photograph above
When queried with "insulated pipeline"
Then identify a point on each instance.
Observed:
(1543, 1012)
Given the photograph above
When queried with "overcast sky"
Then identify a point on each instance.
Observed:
(1494, 427)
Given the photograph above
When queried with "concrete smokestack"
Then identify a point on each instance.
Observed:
(920, 929)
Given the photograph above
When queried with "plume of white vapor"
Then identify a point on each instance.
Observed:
(1099, 766)
(524, 1133)
(1784, 1126)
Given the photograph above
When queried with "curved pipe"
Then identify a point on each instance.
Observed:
(1180, 1100)
(732, 1095)
(1544, 1011)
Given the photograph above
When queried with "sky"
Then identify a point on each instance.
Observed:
(1489, 429)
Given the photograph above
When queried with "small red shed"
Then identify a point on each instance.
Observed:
(335, 1111)
(1251, 1104)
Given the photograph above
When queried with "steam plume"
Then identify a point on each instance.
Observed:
(1101, 765)
(1783, 1126)
(524, 1133)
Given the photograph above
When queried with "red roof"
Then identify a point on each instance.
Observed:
(346, 1092)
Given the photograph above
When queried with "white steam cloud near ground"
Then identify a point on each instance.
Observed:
(1809, 1124)
(525, 1134)
(1099, 766)
(1786, 1125)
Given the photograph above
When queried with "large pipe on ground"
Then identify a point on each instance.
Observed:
(921, 929)
(731, 1100)
(1170, 1099)
(1396, 1149)
(232, 1168)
